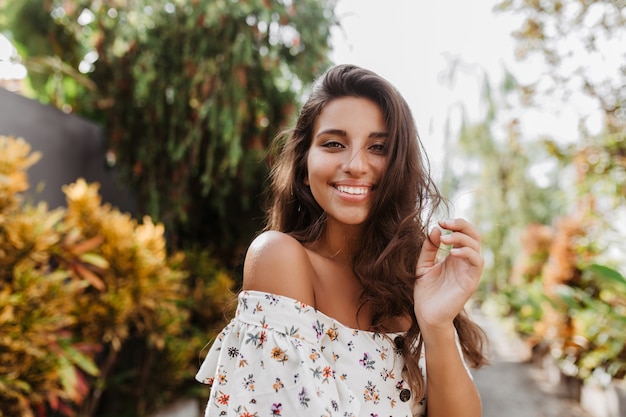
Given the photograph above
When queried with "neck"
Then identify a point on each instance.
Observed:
(338, 242)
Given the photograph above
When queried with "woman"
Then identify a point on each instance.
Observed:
(346, 308)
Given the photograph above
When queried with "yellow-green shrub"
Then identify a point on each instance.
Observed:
(91, 304)
(39, 361)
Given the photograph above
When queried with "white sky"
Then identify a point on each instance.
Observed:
(8, 69)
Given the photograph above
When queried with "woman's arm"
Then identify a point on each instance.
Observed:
(441, 291)
(450, 388)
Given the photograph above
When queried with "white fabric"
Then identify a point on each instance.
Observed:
(280, 357)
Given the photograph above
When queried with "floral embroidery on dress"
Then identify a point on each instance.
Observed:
(316, 366)
(223, 398)
(332, 333)
(248, 382)
(276, 409)
(256, 338)
(319, 329)
(385, 374)
(304, 398)
(278, 385)
(367, 362)
(273, 299)
(279, 355)
(371, 393)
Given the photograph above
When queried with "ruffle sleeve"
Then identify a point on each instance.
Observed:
(270, 360)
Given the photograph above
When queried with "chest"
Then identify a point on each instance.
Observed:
(338, 292)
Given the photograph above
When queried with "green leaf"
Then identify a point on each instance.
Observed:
(607, 274)
(80, 360)
(84, 363)
(68, 377)
(95, 260)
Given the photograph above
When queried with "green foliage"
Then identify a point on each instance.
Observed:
(597, 310)
(191, 93)
(51, 54)
(584, 322)
(564, 300)
(92, 306)
(526, 304)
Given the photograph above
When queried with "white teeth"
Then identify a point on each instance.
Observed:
(353, 190)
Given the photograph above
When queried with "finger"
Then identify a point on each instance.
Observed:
(462, 226)
(459, 240)
(430, 247)
(471, 256)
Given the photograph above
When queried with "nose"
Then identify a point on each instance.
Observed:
(356, 163)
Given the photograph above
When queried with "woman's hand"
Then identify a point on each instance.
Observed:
(444, 286)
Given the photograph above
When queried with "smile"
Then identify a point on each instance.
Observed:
(353, 190)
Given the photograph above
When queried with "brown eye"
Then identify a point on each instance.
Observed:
(379, 148)
(332, 144)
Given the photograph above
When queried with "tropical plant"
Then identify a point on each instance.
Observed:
(41, 363)
(596, 309)
(92, 306)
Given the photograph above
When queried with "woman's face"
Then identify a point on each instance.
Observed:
(347, 158)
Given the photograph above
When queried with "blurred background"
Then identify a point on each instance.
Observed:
(134, 140)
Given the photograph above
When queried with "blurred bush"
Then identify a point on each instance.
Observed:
(565, 303)
(92, 308)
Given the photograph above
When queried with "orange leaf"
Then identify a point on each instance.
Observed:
(89, 276)
(86, 245)
(53, 400)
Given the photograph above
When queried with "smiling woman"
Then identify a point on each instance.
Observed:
(345, 304)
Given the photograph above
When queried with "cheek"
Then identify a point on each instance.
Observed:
(315, 167)
(381, 166)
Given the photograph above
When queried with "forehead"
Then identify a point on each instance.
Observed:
(350, 113)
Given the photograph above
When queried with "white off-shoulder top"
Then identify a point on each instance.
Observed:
(281, 357)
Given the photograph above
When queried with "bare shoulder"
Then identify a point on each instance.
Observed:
(279, 264)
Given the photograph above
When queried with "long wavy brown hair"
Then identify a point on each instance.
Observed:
(397, 224)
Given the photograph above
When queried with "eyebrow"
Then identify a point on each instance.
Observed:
(339, 132)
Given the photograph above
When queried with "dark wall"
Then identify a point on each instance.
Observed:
(71, 148)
